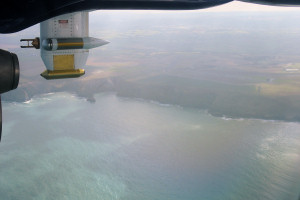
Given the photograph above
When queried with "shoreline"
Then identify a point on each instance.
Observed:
(150, 101)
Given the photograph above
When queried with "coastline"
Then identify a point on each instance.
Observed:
(222, 116)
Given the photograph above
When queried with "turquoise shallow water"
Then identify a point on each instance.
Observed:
(58, 146)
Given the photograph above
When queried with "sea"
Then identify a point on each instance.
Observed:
(59, 146)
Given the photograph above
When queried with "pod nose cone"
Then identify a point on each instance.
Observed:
(102, 42)
(90, 42)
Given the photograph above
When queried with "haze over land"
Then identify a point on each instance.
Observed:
(240, 64)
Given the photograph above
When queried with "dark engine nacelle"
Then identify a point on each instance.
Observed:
(9, 71)
(9, 75)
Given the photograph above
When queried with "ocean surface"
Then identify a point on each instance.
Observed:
(58, 146)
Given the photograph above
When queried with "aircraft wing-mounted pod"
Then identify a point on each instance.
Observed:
(64, 44)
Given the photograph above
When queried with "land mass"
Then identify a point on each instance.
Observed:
(227, 68)
(267, 100)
